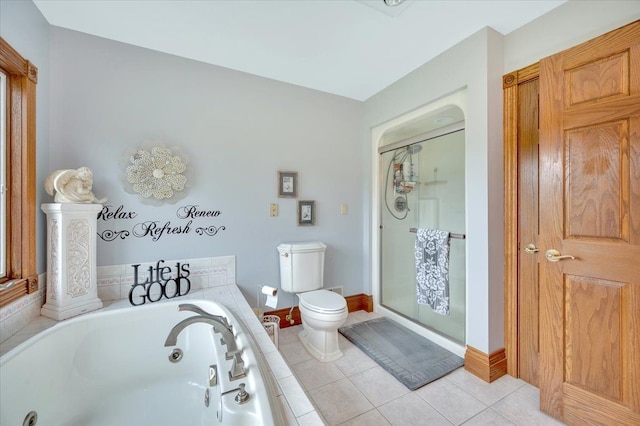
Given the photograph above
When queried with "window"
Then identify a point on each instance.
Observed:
(18, 191)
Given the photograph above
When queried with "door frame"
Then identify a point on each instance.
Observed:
(510, 83)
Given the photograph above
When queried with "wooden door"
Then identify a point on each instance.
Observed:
(590, 209)
(528, 252)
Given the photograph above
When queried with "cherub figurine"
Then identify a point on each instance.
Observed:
(72, 186)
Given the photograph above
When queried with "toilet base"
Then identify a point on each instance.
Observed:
(322, 345)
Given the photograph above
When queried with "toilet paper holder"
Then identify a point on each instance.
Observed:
(271, 298)
(271, 323)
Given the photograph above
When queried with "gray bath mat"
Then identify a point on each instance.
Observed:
(409, 357)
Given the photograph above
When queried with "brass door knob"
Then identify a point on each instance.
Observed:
(553, 255)
(531, 248)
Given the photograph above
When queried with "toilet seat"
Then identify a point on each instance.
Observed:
(323, 301)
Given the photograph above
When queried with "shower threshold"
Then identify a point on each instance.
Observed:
(444, 340)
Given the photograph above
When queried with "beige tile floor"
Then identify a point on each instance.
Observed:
(354, 390)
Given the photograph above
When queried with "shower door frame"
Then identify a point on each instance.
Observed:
(458, 99)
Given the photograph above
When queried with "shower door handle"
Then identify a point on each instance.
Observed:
(531, 249)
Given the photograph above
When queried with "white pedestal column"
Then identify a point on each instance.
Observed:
(72, 287)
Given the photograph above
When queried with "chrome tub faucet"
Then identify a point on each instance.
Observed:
(221, 325)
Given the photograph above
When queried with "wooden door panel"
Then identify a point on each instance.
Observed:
(590, 209)
(593, 344)
(596, 180)
(528, 230)
(597, 80)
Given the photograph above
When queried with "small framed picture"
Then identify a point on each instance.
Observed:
(288, 184)
(306, 212)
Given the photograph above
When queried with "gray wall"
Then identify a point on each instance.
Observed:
(237, 129)
(25, 29)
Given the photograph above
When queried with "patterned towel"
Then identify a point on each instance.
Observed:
(432, 269)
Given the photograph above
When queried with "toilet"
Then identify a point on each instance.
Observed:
(322, 311)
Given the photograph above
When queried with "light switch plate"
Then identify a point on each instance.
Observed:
(273, 209)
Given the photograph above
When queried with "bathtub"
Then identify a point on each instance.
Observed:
(112, 367)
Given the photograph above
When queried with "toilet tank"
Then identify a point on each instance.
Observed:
(301, 266)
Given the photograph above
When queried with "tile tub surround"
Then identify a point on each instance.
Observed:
(296, 406)
(16, 315)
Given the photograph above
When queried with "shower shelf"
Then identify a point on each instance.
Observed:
(405, 187)
(433, 182)
(451, 235)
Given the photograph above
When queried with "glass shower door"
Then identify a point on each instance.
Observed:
(423, 187)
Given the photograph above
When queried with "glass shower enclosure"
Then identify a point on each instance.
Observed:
(423, 187)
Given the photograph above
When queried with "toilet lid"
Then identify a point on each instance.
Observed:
(323, 301)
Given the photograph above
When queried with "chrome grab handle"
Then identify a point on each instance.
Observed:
(531, 249)
(553, 255)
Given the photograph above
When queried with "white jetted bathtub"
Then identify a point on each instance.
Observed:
(113, 368)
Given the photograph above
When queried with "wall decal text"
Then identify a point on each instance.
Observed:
(156, 229)
(106, 213)
(192, 212)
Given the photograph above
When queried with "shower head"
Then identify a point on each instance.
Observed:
(401, 154)
(414, 149)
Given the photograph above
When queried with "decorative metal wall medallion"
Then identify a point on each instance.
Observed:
(157, 173)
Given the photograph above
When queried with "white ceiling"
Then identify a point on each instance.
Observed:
(352, 48)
